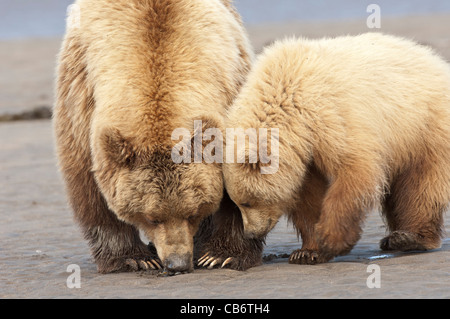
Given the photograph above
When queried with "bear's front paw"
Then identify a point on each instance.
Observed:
(234, 261)
(141, 259)
(129, 264)
(333, 242)
(136, 264)
(306, 257)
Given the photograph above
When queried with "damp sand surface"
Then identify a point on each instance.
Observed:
(39, 242)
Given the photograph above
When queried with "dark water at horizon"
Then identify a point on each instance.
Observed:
(46, 18)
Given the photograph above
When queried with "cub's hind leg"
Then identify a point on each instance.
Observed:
(415, 207)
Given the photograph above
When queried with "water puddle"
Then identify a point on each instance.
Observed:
(380, 257)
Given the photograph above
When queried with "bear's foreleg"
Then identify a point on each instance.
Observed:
(306, 215)
(221, 241)
(352, 193)
(115, 245)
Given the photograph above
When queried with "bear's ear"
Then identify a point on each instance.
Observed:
(117, 148)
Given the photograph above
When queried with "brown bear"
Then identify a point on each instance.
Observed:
(131, 72)
(364, 123)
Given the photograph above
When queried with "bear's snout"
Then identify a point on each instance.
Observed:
(176, 263)
(257, 228)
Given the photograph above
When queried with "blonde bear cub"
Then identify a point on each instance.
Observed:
(364, 123)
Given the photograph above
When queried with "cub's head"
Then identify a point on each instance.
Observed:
(262, 180)
(166, 200)
(259, 198)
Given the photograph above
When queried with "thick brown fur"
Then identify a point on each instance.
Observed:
(129, 74)
(364, 123)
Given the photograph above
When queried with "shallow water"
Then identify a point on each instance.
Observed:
(46, 18)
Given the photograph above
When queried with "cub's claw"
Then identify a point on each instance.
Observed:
(305, 257)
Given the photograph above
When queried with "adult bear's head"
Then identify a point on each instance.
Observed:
(144, 187)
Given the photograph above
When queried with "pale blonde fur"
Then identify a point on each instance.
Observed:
(130, 73)
(364, 119)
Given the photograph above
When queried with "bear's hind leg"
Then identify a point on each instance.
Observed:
(306, 216)
(414, 209)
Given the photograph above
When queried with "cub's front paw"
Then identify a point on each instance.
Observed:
(307, 257)
(334, 242)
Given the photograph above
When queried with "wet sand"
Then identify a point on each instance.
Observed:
(39, 239)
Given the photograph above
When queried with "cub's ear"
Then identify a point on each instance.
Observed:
(117, 148)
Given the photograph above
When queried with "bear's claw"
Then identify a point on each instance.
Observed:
(305, 257)
(227, 261)
(210, 262)
(143, 265)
